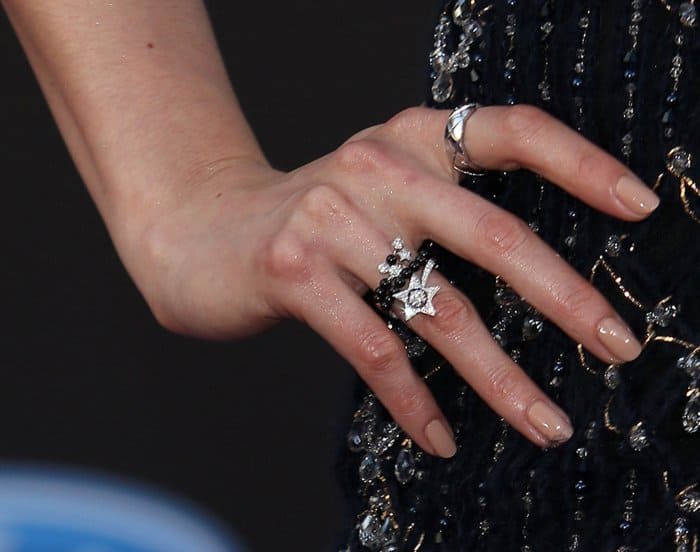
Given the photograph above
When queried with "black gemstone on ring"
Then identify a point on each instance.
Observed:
(406, 273)
(384, 283)
(392, 259)
(399, 282)
(414, 265)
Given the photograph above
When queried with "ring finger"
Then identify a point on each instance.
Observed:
(458, 334)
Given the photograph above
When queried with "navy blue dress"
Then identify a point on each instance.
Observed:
(626, 74)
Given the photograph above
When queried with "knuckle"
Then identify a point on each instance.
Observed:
(322, 205)
(575, 299)
(284, 257)
(503, 384)
(408, 119)
(587, 165)
(523, 123)
(454, 315)
(379, 352)
(361, 156)
(501, 233)
(409, 402)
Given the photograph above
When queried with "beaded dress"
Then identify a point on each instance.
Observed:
(626, 74)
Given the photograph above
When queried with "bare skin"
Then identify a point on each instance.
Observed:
(222, 246)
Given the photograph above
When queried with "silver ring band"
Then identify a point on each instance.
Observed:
(454, 135)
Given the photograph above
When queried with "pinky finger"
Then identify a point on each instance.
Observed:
(353, 329)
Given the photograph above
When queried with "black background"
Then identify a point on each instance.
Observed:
(249, 430)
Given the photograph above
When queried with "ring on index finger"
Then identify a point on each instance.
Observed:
(454, 139)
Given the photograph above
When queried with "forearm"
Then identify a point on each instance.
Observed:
(141, 96)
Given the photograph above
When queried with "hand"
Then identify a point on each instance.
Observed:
(250, 245)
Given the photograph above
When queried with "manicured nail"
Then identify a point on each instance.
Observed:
(619, 339)
(550, 423)
(635, 195)
(440, 437)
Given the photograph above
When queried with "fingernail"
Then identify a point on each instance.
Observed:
(549, 422)
(440, 437)
(619, 339)
(635, 195)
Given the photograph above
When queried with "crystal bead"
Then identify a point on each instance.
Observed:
(369, 532)
(613, 245)
(443, 87)
(370, 468)
(506, 296)
(382, 440)
(388, 531)
(631, 58)
(690, 365)
(547, 27)
(662, 315)
(583, 22)
(473, 29)
(691, 413)
(415, 347)
(638, 437)
(461, 12)
(532, 327)
(689, 502)
(356, 436)
(680, 530)
(688, 14)
(463, 58)
(628, 113)
(405, 466)
(678, 161)
(611, 377)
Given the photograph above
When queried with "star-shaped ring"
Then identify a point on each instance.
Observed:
(418, 297)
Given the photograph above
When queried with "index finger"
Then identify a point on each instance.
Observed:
(502, 136)
(524, 136)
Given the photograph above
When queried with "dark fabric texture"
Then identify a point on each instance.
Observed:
(659, 258)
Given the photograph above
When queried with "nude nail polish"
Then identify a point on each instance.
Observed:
(618, 339)
(550, 423)
(635, 195)
(441, 439)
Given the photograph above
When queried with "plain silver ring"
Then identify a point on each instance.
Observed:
(454, 134)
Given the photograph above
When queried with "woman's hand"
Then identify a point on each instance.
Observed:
(248, 245)
(221, 245)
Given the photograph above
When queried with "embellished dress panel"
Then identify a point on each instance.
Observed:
(625, 74)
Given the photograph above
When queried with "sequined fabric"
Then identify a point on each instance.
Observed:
(626, 74)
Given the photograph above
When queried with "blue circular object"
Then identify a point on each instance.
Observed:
(59, 510)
